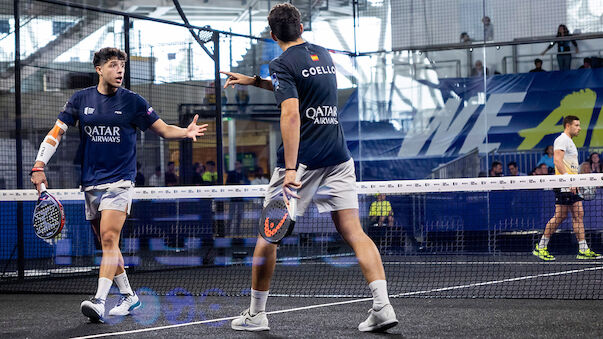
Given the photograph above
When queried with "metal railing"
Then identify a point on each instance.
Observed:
(528, 160)
(550, 58)
(465, 166)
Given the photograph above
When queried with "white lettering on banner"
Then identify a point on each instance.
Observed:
(103, 133)
(489, 118)
(446, 128)
(318, 70)
(323, 115)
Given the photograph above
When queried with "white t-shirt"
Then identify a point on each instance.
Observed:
(570, 157)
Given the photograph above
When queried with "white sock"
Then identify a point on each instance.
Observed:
(544, 242)
(123, 284)
(380, 297)
(583, 245)
(104, 285)
(258, 301)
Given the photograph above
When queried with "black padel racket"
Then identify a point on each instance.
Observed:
(48, 216)
(278, 220)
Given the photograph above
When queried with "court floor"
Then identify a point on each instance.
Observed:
(58, 316)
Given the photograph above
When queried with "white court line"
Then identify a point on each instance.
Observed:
(498, 281)
(493, 282)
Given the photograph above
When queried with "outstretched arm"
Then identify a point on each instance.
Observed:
(242, 79)
(174, 132)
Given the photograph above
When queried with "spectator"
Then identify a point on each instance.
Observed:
(587, 63)
(236, 176)
(465, 38)
(538, 66)
(488, 28)
(513, 169)
(547, 158)
(380, 212)
(594, 161)
(564, 56)
(259, 177)
(242, 98)
(139, 180)
(496, 170)
(478, 70)
(210, 176)
(585, 168)
(156, 179)
(198, 170)
(545, 170)
(236, 208)
(171, 179)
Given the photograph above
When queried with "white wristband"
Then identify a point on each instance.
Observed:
(47, 150)
(51, 142)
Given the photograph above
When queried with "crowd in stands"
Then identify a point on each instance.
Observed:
(545, 166)
(203, 174)
(565, 49)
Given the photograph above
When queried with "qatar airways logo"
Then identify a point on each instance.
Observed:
(318, 70)
(323, 115)
(103, 133)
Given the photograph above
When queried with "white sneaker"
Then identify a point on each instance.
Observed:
(93, 309)
(252, 323)
(126, 304)
(379, 320)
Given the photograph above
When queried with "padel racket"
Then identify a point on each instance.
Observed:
(278, 217)
(278, 220)
(587, 193)
(48, 215)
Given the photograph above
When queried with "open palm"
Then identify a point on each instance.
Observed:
(193, 130)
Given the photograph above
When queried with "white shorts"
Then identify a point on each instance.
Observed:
(114, 196)
(331, 188)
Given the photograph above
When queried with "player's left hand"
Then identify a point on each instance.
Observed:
(193, 130)
(290, 185)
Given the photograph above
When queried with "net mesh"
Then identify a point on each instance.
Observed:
(445, 238)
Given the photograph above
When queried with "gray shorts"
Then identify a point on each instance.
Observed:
(331, 188)
(115, 196)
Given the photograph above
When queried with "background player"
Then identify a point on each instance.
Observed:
(108, 117)
(566, 162)
(304, 81)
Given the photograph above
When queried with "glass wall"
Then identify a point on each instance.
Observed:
(443, 83)
(421, 83)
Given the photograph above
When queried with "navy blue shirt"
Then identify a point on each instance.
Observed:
(306, 72)
(107, 126)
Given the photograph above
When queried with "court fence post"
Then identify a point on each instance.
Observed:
(127, 76)
(18, 143)
(218, 90)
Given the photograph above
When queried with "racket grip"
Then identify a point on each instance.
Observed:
(42, 188)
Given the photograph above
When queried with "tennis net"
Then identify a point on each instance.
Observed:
(445, 238)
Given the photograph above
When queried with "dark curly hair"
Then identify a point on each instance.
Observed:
(284, 20)
(106, 54)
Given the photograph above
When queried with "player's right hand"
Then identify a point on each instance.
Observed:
(38, 178)
(237, 79)
(290, 185)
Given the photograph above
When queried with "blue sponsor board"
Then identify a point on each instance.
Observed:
(518, 112)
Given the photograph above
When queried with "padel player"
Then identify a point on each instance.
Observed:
(565, 157)
(304, 83)
(108, 117)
